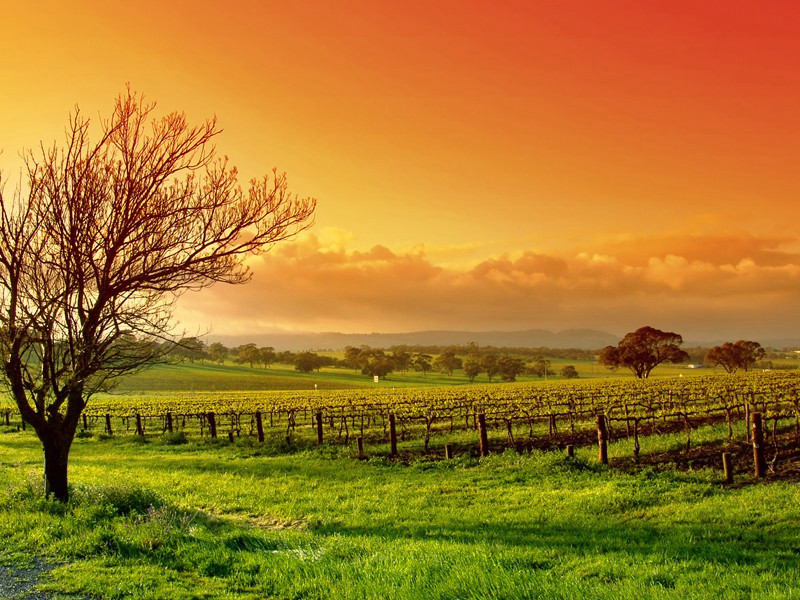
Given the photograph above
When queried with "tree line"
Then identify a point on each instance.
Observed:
(496, 363)
(639, 351)
(644, 349)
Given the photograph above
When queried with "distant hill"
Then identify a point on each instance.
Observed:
(588, 339)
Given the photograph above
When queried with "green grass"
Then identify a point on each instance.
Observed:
(231, 377)
(214, 520)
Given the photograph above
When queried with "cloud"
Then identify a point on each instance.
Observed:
(717, 286)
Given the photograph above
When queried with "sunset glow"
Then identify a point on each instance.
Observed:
(477, 165)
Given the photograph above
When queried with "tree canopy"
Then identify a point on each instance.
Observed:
(643, 350)
(739, 355)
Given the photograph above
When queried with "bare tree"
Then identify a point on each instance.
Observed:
(100, 241)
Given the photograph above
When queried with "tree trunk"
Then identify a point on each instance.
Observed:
(56, 457)
(56, 433)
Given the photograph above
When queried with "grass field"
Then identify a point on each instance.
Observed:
(174, 517)
(231, 377)
(213, 520)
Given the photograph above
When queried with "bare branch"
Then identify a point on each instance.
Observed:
(108, 234)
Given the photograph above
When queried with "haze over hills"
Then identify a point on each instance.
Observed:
(585, 339)
(588, 339)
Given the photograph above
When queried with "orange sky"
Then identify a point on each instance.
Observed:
(478, 165)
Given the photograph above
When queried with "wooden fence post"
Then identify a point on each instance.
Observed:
(212, 424)
(727, 467)
(570, 451)
(259, 427)
(392, 435)
(448, 451)
(360, 446)
(109, 431)
(483, 434)
(602, 439)
(139, 430)
(85, 421)
(169, 421)
(319, 428)
(758, 441)
(747, 420)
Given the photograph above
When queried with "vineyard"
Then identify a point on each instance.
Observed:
(508, 415)
(238, 495)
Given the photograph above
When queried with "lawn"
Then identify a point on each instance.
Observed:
(155, 519)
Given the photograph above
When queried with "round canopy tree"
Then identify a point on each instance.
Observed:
(644, 349)
(103, 239)
(739, 355)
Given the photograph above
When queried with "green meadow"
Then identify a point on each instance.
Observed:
(179, 516)
(206, 376)
(165, 517)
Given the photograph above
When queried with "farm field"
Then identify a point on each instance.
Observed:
(183, 515)
(233, 377)
(217, 520)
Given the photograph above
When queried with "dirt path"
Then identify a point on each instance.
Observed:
(18, 583)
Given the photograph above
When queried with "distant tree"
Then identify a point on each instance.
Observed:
(305, 362)
(190, 349)
(489, 365)
(266, 356)
(472, 369)
(401, 359)
(509, 367)
(353, 357)
(285, 357)
(541, 368)
(217, 352)
(751, 353)
(422, 362)
(739, 355)
(378, 364)
(247, 353)
(569, 372)
(447, 362)
(644, 349)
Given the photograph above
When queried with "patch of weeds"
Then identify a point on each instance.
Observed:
(251, 543)
(154, 528)
(216, 562)
(381, 461)
(663, 581)
(123, 499)
(176, 438)
(30, 489)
